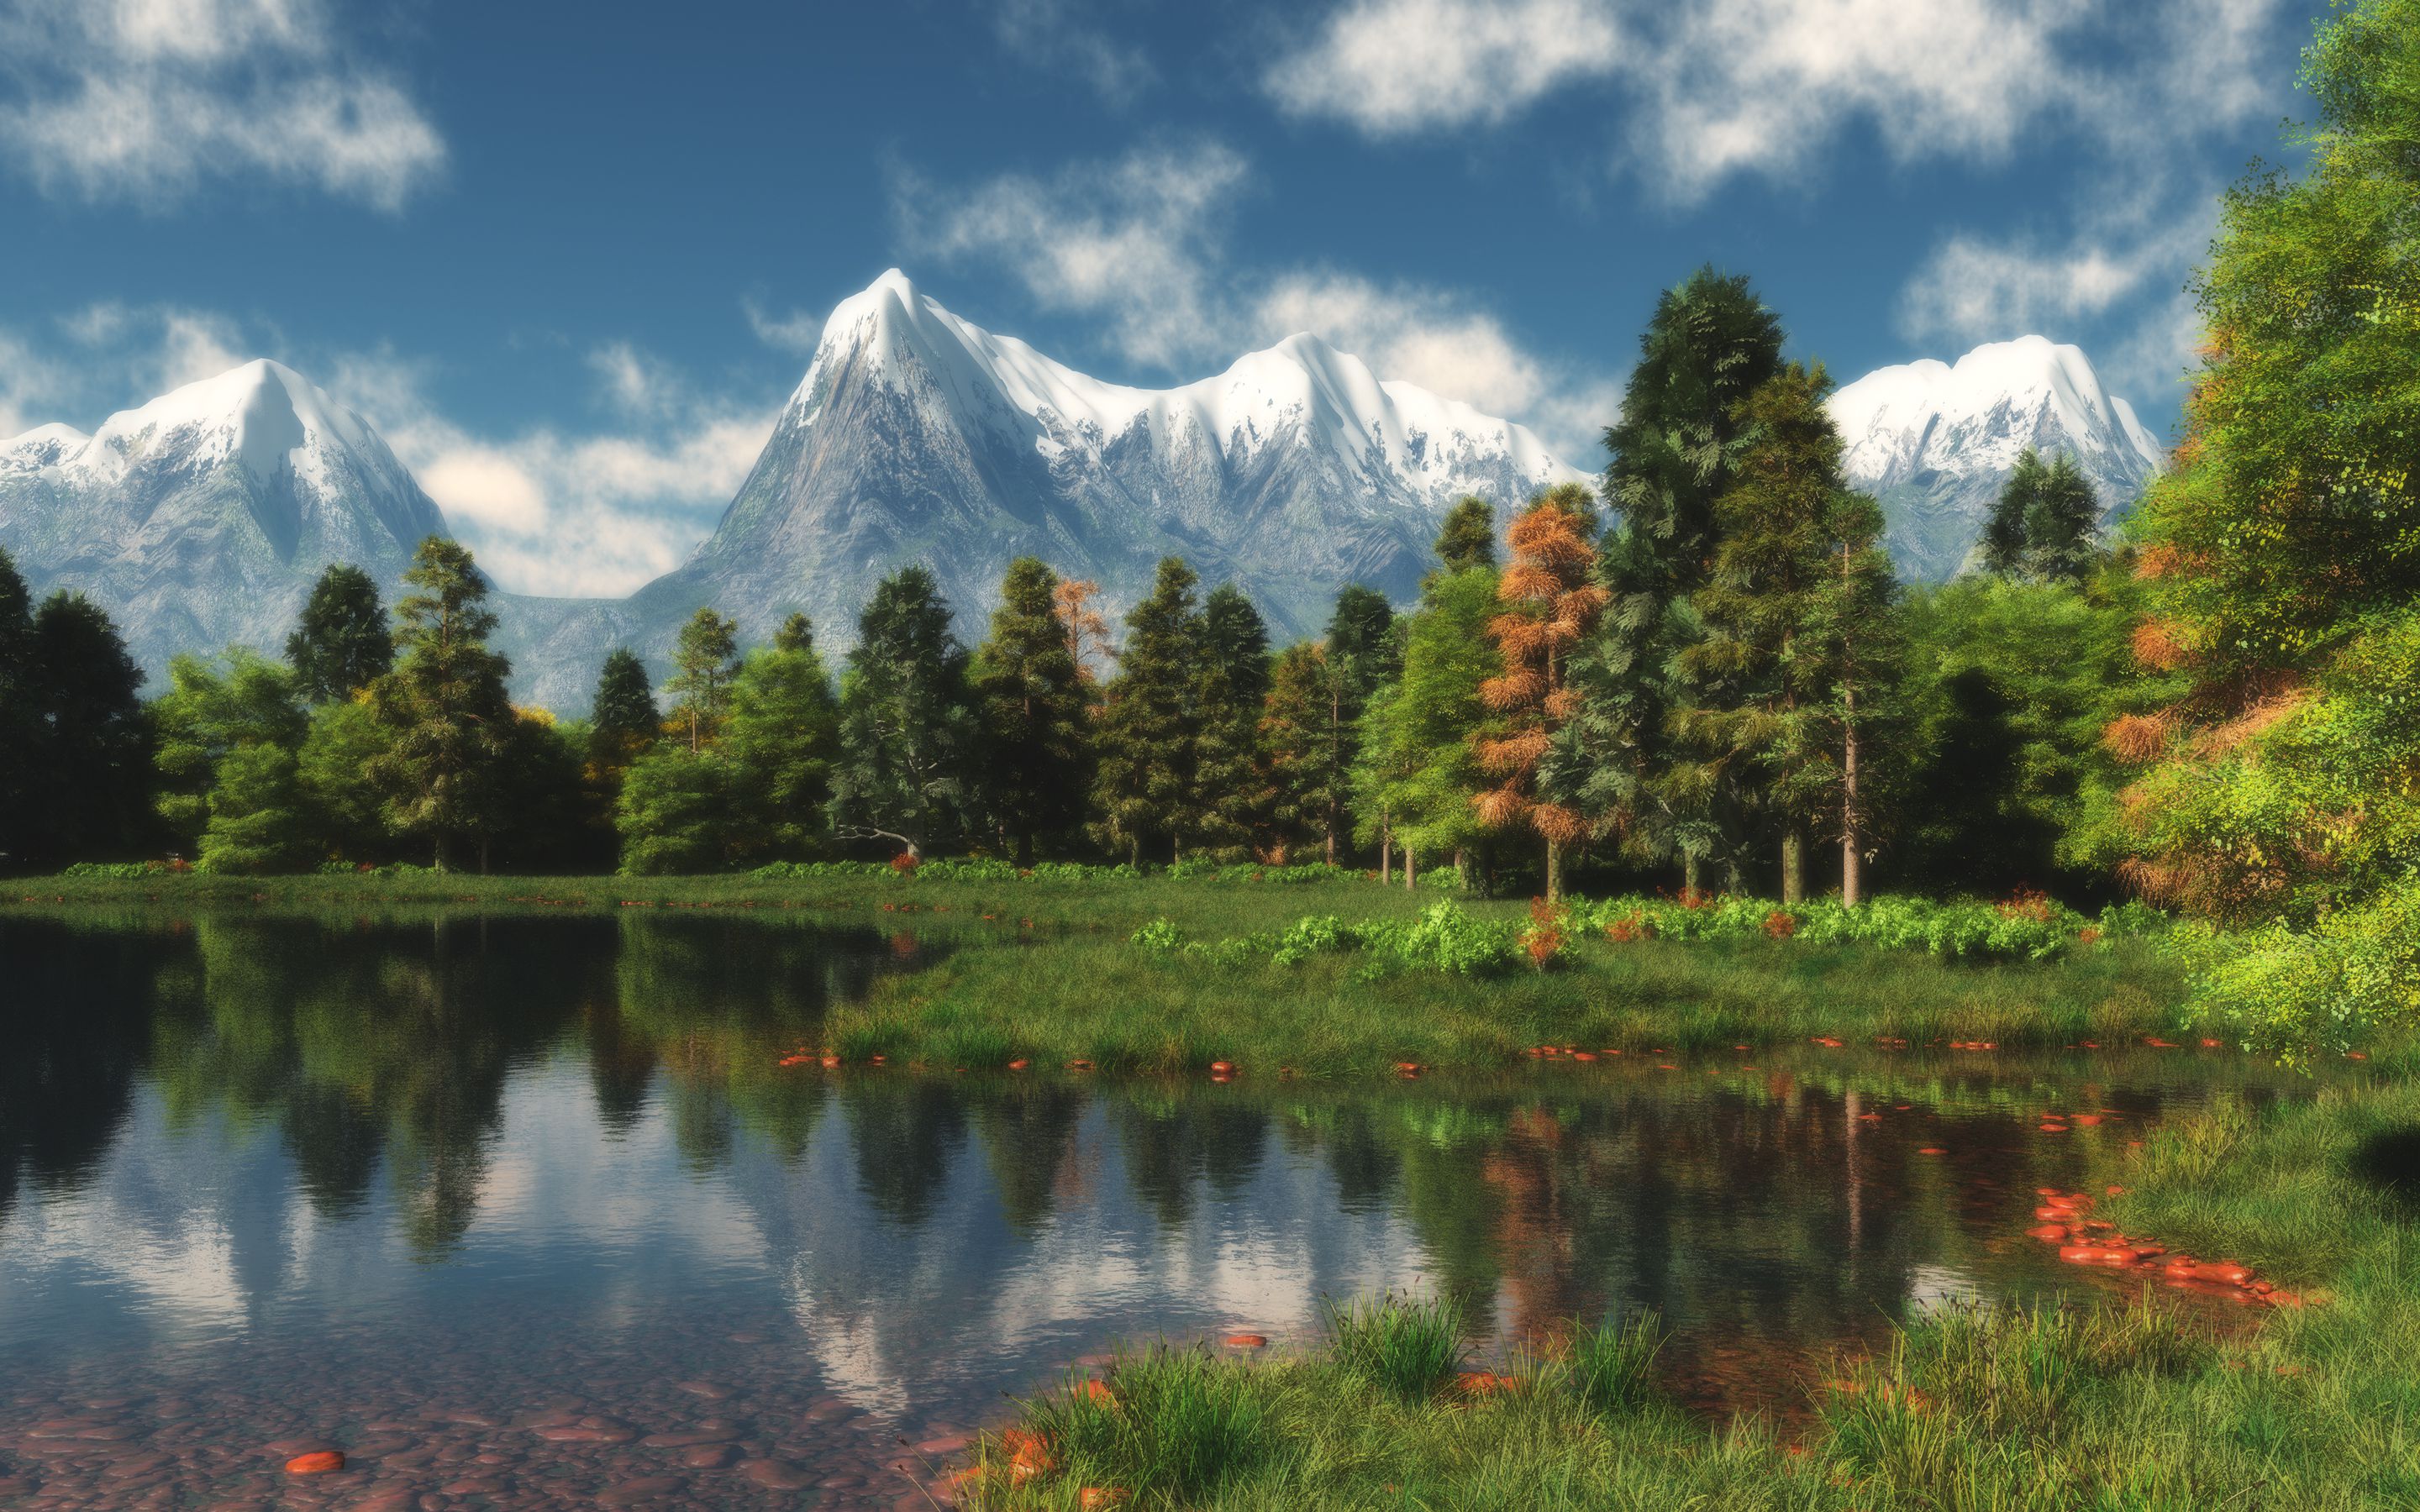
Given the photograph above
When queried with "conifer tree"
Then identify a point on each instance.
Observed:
(624, 719)
(257, 820)
(1032, 701)
(1550, 603)
(1467, 537)
(1236, 640)
(1675, 449)
(1151, 730)
(341, 644)
(1293, 765)
(705, 658)
(211, 712)
(2001, 548)
(444, 707)
(2062, 526)
(91, 759)
(347, 814)
(1798, 590)
(1075, 602)
(17, 715)
(783, 739)
(908, 731)
(1419, 763)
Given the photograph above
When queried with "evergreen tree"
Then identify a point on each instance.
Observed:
(2063, 526)
(1361, 645)
(542, 818)
(17, 715)
(259, 822)
(1151, 732)
(1293, 765)
(90, 773)
(449, 722)
(341, 644)
(1236, 640)
(624, 719)
(1467, 537)
(1038, 761)
(706, 661)
(347, 814)
(208, 713)
(1675, 449)
(908, 731)
(1550, 603)
(1418, 770)
(677, 812)
(1794, 611)
(2001, 548)
(784, 738)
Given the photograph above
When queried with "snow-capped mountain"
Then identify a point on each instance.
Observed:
(1935, 442)
(202, 519)
(919, 437)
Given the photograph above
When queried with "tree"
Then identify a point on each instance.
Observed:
(706, 657)
(347, 815)
(1236, 640)
(1675, 451)
(18, 718)
(257, 817)
(1293, 765)
(1551, 604)
(89, 768)
(1030, 690)
(1086, 629)
(1361, 655)
(1796, 610)
(449, 722)
(211, 711)
(2045, 523)
(675, 812)
(1419, 764)
(907, 733)
(1467, 537)
(1151, 732)
(341, 644)
(784, 738)
(624, 719)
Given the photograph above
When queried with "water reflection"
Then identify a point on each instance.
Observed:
(517, 1159)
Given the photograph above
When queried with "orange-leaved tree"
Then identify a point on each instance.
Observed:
(1551, 601)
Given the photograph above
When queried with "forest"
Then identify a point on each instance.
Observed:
(1700, 677)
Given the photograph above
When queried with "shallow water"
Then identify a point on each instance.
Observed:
(520, 1209)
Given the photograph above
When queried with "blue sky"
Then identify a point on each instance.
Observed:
(572, 259)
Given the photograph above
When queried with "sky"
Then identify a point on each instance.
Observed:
(570, 260)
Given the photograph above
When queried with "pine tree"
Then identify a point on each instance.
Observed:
(18, 720)
(1032, 701)
(1086, 629)
(1796, 596)
(211, 711)
(1675, 449)
(346, 815)
(1292, 761)
(1151, 732)
(1419, 766)
(1551, 605)
(1467, 537)
(341, 644)
(443, 704)
(2001, 548)
(259, 822)
(907, 733)
(706, 657)
(624, 719)
(783, 739)
(2063, 526)
(90, 761)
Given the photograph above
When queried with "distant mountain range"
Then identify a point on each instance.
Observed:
(202, 519)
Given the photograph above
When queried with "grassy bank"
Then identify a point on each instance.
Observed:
(1048, 972)
(2134, 1405)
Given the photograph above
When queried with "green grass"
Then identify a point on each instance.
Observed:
(1045, 971)
(1405, 1347)
(2136, 1405)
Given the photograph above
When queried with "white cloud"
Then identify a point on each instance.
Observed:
(1767, 86)
(1128, 240)
(1065, 36)
(1395, 67)
(143, 99)
(798, 332)
(1138, 242)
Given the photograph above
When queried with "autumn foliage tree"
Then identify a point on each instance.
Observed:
(1551, 602)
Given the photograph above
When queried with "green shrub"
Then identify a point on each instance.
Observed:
(1159, 935)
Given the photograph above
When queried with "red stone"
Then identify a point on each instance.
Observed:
(1247, 1341)
(320, 1462)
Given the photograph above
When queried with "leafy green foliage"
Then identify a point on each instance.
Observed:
(908, 735)
(341, 644)
(2045, 523)
(448, 722)
(782, 738)
(703, 661)
(623, 720)
(1030, 697)
(211, 711)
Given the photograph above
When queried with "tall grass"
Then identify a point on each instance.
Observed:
(1406, 1347)
(1612, 1363)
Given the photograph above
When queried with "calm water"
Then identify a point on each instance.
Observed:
(519, 1210)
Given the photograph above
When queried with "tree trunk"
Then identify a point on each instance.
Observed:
(1331, 841)
(1411, 864)
(1553, 872)
(1385, 850)
(1134, 850)
(1793, 865)
(1461, 869)
(1853, 879)
(1689, 873)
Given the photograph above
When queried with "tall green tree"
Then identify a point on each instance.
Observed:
(1676, 449)
(211, 710)
(448, 720)
(348, 814)
(1467, 537)
(1235, 640)
(704, 661)
(1792, 609)
(91, 759)
(341, 644)
(678, 812)
(908, 735)
(783, 739)
(1418, 765)
(623, 720)
(1151, 730)
(1036, 731)
(2045, 523)
(1295, 764)
(18, 716)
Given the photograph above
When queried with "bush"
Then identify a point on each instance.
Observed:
(2028, 927)
(1159, 935)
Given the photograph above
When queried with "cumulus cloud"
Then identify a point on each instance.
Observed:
(1723, 87)
(1067, 37)
(144, 99)
(1139, 244)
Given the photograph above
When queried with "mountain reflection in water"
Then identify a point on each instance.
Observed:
(293, 1174)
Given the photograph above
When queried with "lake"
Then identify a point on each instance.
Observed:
(521, 1209)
